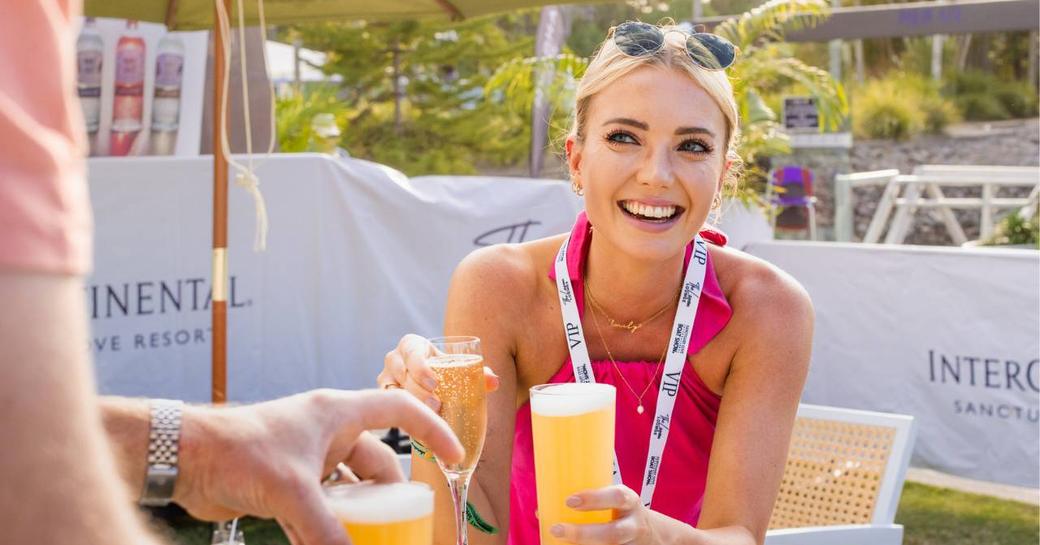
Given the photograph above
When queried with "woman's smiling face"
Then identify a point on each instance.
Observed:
(651, 160)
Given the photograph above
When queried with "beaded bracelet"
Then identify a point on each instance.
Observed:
(472, 516)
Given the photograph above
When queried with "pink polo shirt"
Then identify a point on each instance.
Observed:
(45, 223)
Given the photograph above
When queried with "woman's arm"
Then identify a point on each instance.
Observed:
(489, 291)
(774, 317)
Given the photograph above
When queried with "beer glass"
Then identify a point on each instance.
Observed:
(459, 366)
(384, 514)
(573, 429)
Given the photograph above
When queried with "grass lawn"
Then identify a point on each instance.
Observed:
(931, 516)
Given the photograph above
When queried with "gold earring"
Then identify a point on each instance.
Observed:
(577, 189)
(716, 202)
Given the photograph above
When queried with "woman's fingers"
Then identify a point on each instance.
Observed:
(620, 531)
(617, 497)
(490, 379)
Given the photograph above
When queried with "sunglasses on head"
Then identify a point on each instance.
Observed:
(709, 51)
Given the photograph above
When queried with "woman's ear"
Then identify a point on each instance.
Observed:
(722, 178)
(573, 150)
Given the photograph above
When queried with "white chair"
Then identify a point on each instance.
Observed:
(843, 478)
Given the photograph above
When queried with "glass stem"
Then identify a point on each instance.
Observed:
(458, 483)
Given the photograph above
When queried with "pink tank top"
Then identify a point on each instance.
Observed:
(684, 467)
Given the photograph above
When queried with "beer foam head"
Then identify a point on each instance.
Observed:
(371, 503)
(569, 399)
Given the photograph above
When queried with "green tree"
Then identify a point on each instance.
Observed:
(416, 91)
(764, 67)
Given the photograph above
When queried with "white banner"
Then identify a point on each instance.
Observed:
(357, 256)
(947, 335)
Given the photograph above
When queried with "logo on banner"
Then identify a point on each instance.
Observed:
(987, 373)
(691, 291)
(583, 374)
(700, 252)
(681, 340)
(565, 291)
(652, 467)
(573, 334)
(516, 232)
(670, 383)
(146, 299)
(661, 425)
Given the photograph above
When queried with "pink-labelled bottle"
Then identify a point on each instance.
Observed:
(89, 52)
(128, 103)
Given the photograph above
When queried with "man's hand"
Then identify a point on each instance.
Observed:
(269, 459)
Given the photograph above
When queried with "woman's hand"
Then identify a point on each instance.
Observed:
(633, 524)
(405, 367)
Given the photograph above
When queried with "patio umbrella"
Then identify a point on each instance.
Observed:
(200, 15)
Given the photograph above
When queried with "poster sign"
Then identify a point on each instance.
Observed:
(801, 114)
(140, 87)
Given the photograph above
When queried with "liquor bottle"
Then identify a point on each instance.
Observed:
(169, 66)
(128, 103)
(89, 53)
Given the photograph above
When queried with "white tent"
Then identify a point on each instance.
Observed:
(281, 63)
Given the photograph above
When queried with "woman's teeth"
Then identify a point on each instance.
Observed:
(651, 212)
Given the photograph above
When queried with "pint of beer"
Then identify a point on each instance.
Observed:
(573, 428)
(384, 514)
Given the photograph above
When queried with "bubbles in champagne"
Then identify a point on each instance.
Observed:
(460, 388)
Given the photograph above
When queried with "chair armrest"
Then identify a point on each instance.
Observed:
(848, 534)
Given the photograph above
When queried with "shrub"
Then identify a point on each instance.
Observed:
(981, 107)
(981, 96)
(1015, 229)
(1018, 98)
(879, 110)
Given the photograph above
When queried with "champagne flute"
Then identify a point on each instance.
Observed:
(459, 366)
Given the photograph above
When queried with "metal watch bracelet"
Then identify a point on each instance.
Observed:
(164, 436)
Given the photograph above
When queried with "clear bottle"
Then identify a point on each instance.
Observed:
(128, 103)
(166, 104)
(89, 53)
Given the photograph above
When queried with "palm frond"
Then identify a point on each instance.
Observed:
(771, 20)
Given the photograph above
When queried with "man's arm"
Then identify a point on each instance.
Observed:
(268, 459)
(60, 484)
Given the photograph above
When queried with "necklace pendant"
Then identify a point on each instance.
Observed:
(630, 326)
(639, 409)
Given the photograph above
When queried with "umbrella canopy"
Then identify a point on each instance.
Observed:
(198, 14)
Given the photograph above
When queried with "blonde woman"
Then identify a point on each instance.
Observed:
(651, 149)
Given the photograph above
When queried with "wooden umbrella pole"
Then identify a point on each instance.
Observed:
(220, 208)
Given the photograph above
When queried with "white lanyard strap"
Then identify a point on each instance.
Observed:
(675, 362)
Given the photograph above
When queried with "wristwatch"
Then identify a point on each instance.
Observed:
(164, 436)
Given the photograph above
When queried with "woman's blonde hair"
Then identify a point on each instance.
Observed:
(610, 63)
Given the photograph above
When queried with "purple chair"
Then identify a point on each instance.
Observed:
(790, 191)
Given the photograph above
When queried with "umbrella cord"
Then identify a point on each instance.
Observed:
(245, 176)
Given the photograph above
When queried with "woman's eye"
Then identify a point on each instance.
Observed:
(621, 137)
(695, 146)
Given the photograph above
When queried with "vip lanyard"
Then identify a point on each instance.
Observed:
(675, 361)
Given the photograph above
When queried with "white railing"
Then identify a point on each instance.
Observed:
(905, 194)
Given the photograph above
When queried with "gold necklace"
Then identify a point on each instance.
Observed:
(631, 326)
(602, 339)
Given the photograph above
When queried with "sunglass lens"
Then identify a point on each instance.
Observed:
(636, 39)
(711, 51)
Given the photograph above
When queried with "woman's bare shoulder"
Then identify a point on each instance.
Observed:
(515, 270)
